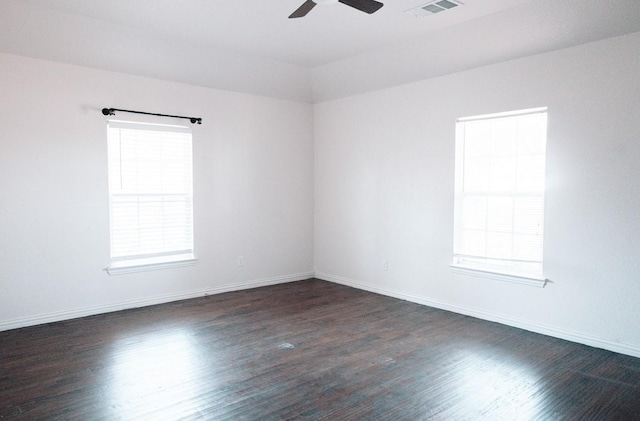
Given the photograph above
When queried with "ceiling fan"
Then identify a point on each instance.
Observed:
(367, 6)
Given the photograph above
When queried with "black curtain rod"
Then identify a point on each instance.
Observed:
(112, 111)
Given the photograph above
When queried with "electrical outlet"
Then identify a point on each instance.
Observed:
(240, 261)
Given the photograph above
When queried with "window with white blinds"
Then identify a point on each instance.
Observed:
(150, 194)
(499, 193)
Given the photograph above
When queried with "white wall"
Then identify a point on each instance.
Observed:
(384, 191)
(253, 190)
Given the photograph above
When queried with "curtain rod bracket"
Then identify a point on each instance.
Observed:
(112, 111)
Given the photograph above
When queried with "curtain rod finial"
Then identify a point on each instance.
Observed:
(108, 111)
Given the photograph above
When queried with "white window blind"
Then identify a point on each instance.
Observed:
(150, 192)
(499, 200)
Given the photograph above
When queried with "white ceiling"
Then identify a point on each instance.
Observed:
(335, 51)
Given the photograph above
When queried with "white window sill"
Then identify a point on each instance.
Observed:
(506, 277)
(152, 263)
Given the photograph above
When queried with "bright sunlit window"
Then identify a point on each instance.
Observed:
(150, 196)
(499, 193)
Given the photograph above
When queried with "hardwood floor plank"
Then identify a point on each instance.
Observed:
(305, 350)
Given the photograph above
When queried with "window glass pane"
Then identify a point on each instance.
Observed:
(500, 199)
(499, 245)
(475, 212)
(476, 174)
(532, 133)
(502, 174)
(503, 137)
(527, 247)
(476, 134)
(528, 215)
(474, 243)
(530, 174)
(150, 184)
(500, 214)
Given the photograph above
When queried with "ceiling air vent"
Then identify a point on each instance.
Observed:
(434, 7)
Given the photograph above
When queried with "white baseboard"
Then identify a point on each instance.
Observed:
(90, 311)
(555, 332)
(578, 337)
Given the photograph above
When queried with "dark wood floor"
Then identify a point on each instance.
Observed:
(305, 350)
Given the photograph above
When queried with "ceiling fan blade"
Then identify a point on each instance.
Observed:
(367, 6)
(303, 10)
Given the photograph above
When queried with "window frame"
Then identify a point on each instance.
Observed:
(485, 270)
(131, 263)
